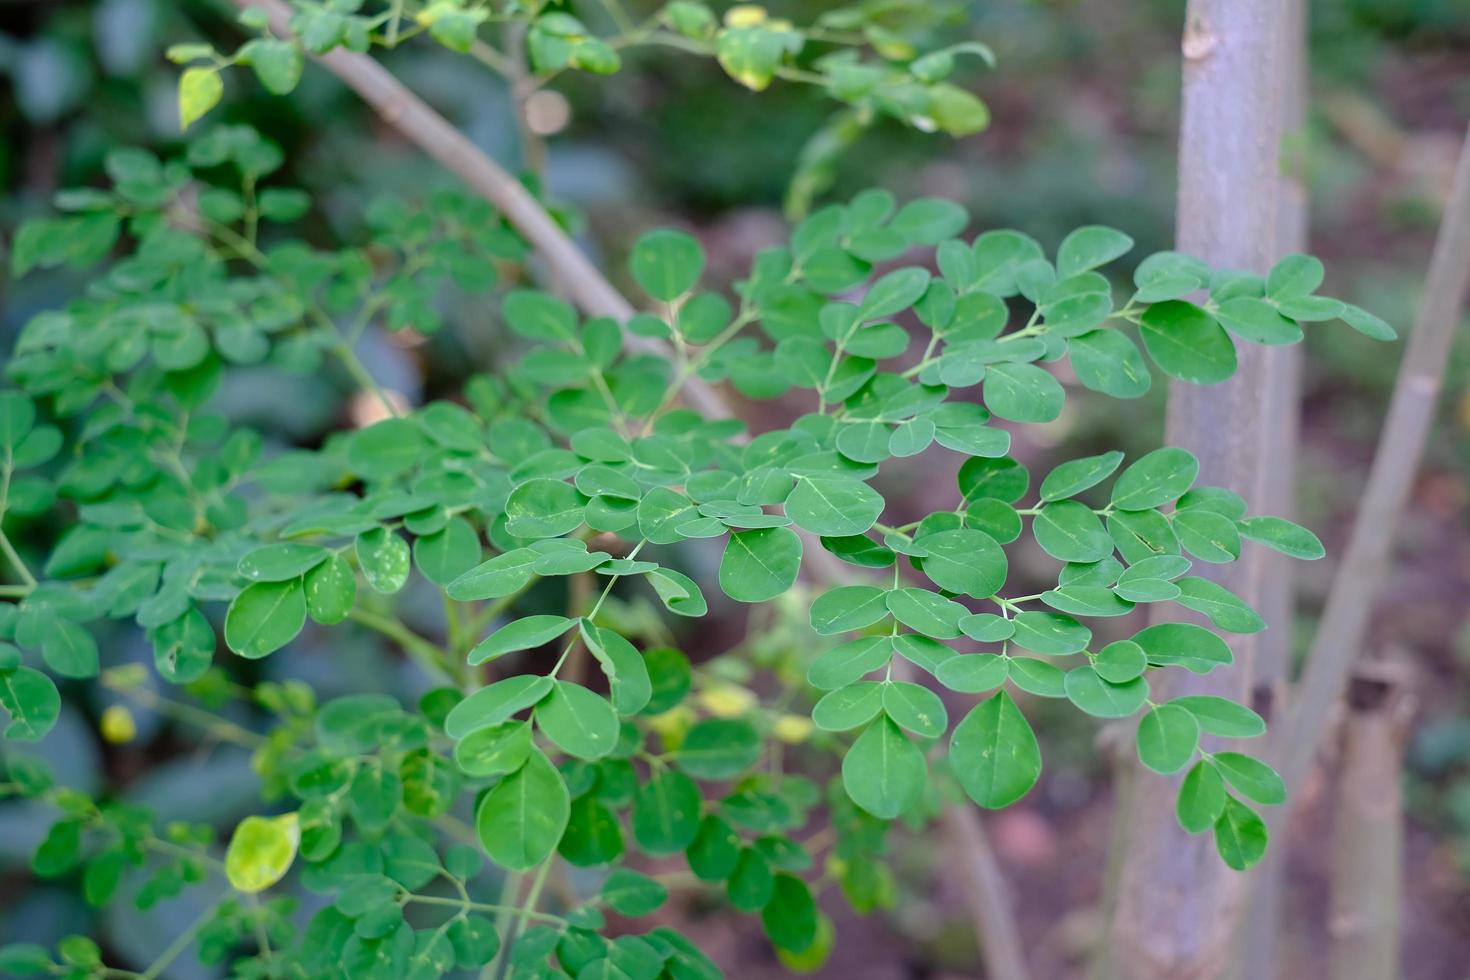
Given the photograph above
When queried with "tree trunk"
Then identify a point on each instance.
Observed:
(1178, 904)
(1261, 931)
(1368, 838)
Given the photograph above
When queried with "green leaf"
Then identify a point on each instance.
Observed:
(916, 708)
(850, 661)
(1240, 835)
(965, 561)
(848, 707)
(994, 753)
(1089, 247)
(1367, 324)
(1075, 476)
(1049, 633)
(1187, 343)
(277, 64)
(1201, 798)
(1250, 777)
(384, 559)
(1155, 479)
(848, 607)
(496, 703)
(494, 750)
(860, 550)
(629, 892)
(32, 702)
(1167, 737)
(626, 669)
(1107, 361)
(790, 917)
(265, 617)
(834, 506)
(973, 674)
(282, 561)
(526, 633)
(1222, 717)
(200, 90)
(1207, 535)
(520, 821)
(927, 612)
(544, 508)
(1184, 645)
(893, 293)
(1088, 691)
(680, 594)
(1120, 662)
(386, 449)
(577, 721)
(1023, 392)
(1226, 610)
(538, 316)
(1070, 531)
(494, 579)
(719, 748)
(69, 649)
(448, 553)
(929, 220)
(1283, 536)
(1294, 275)
(883, 772)
(667, 264)
(666, 814)
(261, 851)
(1258, 321)
(760, 564)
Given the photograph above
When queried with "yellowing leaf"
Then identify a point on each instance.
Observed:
(261, 851)
(199, 91)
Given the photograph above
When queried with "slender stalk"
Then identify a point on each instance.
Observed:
(421, 125)
(425, 654)
(1400, 448)
(1178, 903)
(985, 886)
(1368, 847)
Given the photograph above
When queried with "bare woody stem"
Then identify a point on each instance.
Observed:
(1400, 449)
(432, 133)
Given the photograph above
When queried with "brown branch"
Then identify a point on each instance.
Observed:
(987, 895)
(1400, 447)
(436, 136)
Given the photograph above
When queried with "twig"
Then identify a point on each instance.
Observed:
(1400, 448)
(420, 124)
(988, 897)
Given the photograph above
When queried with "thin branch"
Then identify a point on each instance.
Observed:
(437, 137)
(987, 895)
(1400, 449)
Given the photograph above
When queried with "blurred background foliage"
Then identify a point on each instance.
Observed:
(1084, 104)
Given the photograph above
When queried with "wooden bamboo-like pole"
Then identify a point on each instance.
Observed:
(1395, 463)
(1368, 832)
(1260, 936)
(1178, 904)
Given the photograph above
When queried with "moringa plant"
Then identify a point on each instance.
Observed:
(581, 751)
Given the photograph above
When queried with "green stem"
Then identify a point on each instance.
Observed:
(424, 653)
(28, 580)
(181, 942)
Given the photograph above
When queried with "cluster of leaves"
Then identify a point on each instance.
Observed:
(579, 467)
(863, 55)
